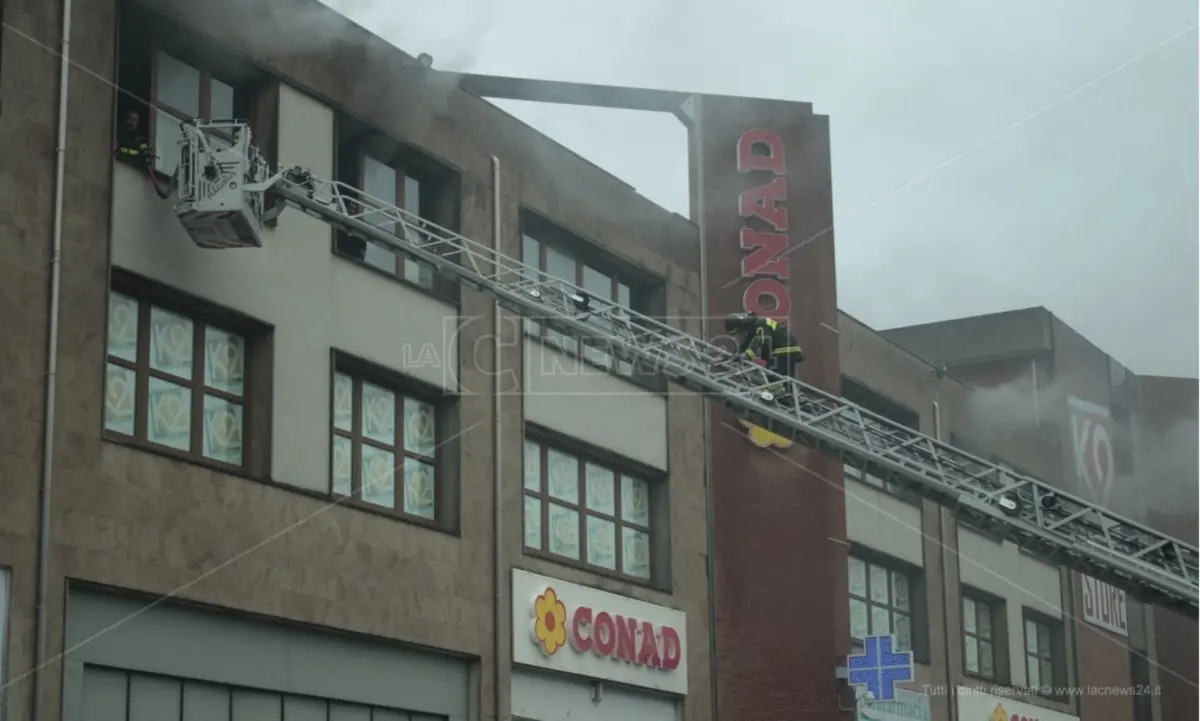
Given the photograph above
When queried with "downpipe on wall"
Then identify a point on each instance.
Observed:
(937, 435)
(51, 397)
(710, 520)
(498, 465)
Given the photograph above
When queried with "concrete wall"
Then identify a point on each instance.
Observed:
(571, 397)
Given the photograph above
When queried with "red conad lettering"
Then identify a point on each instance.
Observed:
(672, 649)
(765, 249)
(759, 139)
(580, 620)
(781, 300)
(763, 202)
(604, 636)
(648, 656)
(626, 639)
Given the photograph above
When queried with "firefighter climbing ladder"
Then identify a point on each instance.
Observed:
(226, 193)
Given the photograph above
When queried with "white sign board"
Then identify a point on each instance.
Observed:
(578, 630)
(974, 705)
(1104, 606)
(905, 706)
(1092, 448)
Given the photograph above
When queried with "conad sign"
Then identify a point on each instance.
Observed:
(578, 630)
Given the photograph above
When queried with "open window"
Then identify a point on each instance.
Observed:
(170, 76)
(400, 175)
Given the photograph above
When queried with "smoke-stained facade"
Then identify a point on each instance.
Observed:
(1125, 441)
(216, 415)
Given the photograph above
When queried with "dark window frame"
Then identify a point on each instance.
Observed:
(862, 395)
(444, 461)
(644, 291)
(1055, 657)
(144, 33)
(440, 201)
(997, 610)
(255, 400)
(658, 530)
(917, 613)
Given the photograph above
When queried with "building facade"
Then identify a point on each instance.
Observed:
(312, 480)
(317, 481)
(1125, 441)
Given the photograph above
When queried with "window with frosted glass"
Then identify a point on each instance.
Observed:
(174, 381)
(1039, 656)
(881, 603)
(385, 444)
(587, 511)
(979, 619)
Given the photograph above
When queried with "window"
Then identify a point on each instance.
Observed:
(881, 603)
(381, 428)
(586, 511)
(396, 174)
(182, 91)
(1041, 654)
(555, 260)
(879, 404)
(179, 381)
(982, 624)
(393, 185)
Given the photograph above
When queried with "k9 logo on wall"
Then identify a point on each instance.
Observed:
(1092, 447)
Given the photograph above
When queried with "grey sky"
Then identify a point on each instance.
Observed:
(1089, 209)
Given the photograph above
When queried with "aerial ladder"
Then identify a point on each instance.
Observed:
(227, 191)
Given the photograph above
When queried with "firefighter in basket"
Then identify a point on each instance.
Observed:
(767, 340)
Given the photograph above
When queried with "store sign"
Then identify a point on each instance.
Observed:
(905, 706)
(765, 261)
(764, 252)
(578, 630)
(1091, 441)
(976, 706)
(1104, 606)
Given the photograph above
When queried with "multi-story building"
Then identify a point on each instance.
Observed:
(312, 480)
(316, 480)
(1122, 440)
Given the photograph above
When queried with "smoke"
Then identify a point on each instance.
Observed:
(1037, 437)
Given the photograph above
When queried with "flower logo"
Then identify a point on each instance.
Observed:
(763, 438)
(999, 714)
(549, 622)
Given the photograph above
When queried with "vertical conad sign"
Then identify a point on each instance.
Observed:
(767, 212)
(765, 262)
(1092, 448)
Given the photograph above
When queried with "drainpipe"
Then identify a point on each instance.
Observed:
(951, 694)
(498, 469)
(710, 523)
(60, 161)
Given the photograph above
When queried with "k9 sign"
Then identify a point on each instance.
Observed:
(1091, 441)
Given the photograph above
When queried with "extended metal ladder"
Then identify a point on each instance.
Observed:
(225, 192)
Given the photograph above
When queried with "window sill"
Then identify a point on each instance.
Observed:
(243, 473)
(650, 583)
(653, 384)
(443, 290)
